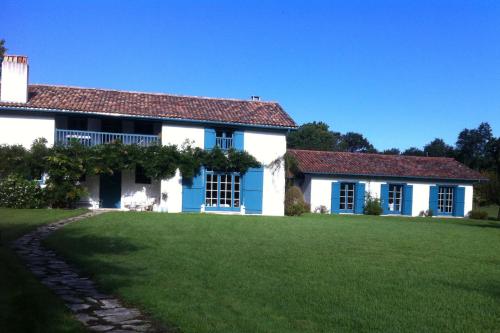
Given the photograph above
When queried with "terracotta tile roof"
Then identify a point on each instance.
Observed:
(343, 163)
(156, 105)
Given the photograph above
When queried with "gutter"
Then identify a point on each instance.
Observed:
(396, 177)
(179, 120)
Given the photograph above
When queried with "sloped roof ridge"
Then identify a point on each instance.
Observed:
(153, 93)
(376, 154)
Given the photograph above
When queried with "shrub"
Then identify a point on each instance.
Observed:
(294, 202)
(16, 192)
(478, 214)
(372, 206)
(429, 213)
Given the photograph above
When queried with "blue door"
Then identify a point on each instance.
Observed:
(110, 190)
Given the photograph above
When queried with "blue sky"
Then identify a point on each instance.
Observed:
(399, 72)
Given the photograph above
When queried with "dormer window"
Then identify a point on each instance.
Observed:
(224, 139)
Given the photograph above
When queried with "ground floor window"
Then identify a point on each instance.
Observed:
(222, 190)
(346, 197)
(445, 199)
(395, 198)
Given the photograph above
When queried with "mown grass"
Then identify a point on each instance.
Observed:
(25, 304)
(206, 273)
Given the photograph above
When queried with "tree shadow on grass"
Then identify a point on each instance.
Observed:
(480, 223)
(90, 254)
(26, 305)
(487, 288)
(94, 257)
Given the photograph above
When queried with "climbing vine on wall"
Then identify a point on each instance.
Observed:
(65, 165)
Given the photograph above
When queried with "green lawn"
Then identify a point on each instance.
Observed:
(206, 273)
(25, 304)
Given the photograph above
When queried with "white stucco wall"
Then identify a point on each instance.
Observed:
(24, 129)
(91, 183)
(172, 188)
(420, 197)
(138, 194)
(131, 193)
(318, 191)
(178, 134)
(469, 194)
(266, 148)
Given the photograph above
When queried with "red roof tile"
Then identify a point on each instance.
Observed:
(156, 105)
(344, 163)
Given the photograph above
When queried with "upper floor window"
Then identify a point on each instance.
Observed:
(445, 199)
(346, 197)
(144, 127)
(77, 123)
(395, 197)
(224, 139)
(111, 125)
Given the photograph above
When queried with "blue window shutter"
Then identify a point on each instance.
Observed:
(359, 200)
(335, 209)
(459, 201)
(407, 199)
(253, 183)
(433, 199)
(209, 138)
(193, 192)
(238, 140)
(384, 198)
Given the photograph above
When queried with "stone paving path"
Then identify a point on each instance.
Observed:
(97, 311)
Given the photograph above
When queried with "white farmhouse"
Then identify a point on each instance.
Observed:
(338, 181)
(405, 185)
(98, 116)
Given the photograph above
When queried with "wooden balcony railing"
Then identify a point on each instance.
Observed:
(224, 143)
(90, 138)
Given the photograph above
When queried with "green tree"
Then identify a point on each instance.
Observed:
(315, 135)
(472, 146)
(14, 160)
(493, 155)
(438, 148)
(356, 143)
(2, 48)
(413, 151)
(392, 151)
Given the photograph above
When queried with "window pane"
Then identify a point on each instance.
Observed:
(395, 197)
(211, 193)
(346, 196)
(236, 191)
(445, 199)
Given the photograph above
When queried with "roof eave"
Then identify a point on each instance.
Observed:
(394, 176)
(184, 120)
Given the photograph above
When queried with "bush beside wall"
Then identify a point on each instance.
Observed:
(372, 206)
(295, 204)
(16, 192)
(478, 214)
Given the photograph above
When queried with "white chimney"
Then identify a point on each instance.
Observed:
(14, 79)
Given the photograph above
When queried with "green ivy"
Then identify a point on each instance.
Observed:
(66, 165)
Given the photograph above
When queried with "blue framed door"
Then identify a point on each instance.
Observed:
(222, 191)
(110, 190)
